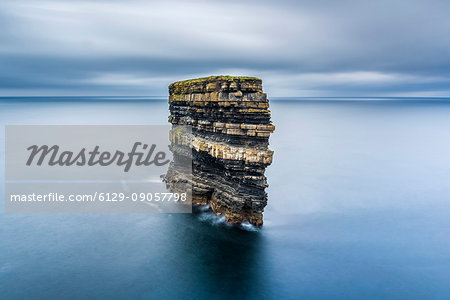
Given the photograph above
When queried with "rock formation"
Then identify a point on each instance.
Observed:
(229, 142)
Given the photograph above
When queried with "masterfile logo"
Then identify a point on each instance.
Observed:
(87, 152)
(54, 156)
(92, 168)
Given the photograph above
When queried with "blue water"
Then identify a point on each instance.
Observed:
(359, 208)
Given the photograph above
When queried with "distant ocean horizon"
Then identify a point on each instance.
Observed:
(358, 209)
(274, 98)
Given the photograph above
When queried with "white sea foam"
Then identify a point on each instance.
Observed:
(204, 208)
(212, 218)
(249, 227)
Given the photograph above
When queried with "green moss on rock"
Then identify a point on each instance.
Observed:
(209, 79)
(216, 84)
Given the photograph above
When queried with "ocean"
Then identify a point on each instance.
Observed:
(359, 208)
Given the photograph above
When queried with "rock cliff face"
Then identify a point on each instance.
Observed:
(229, 142)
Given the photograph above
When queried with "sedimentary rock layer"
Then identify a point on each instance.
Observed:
(229, 143)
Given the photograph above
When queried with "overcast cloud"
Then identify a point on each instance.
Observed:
(298, 48)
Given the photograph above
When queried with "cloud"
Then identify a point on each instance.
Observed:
(297, 47)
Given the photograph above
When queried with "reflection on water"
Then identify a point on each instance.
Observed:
(358, 208)
(219, 259)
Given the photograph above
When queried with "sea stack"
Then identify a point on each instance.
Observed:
(229, 142)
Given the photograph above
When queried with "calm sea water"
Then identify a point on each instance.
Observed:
(359, 208)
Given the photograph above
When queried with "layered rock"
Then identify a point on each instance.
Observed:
(229, 143)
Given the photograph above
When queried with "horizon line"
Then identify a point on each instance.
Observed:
(270, 97)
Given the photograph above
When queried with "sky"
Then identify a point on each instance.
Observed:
(298, 48)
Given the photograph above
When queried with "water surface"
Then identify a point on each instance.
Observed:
(358, 208)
